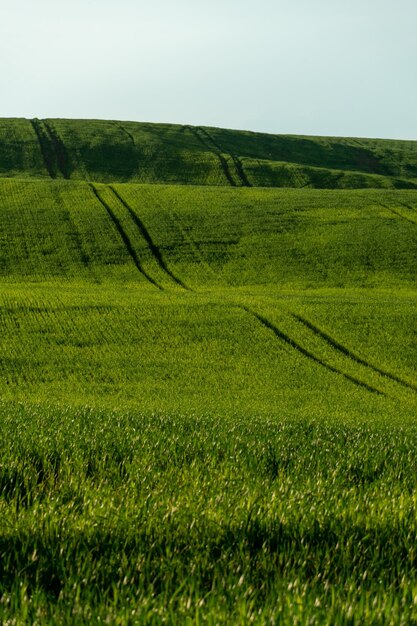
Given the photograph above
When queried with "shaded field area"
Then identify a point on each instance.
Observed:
(114, 151)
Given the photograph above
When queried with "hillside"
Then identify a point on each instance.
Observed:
(110, 151)
(208, 387)
(174, 237)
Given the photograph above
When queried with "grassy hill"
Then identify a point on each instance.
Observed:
(208, 387)
(170, 237)
(110, 151)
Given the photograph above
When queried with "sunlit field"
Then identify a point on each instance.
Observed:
(208, 388)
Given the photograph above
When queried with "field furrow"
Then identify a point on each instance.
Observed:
(351, 355)
(126, 240)
(125, 132)
(59, 150)
(45, 146)
(201, 136)
(241, 174)
(395, 211)
(144, 232)
(309, 355)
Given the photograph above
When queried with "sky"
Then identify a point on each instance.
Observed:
(315, 67)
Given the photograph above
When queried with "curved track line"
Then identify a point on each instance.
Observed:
(407, 219)
(146, 235)
(74, 232)
(237, 162)
(410, 208)
(341, 348)
(242, 174)
(125, 239)
(126, 132)
(45, 147)
(53, 150)
(59, 149)
(223, 163)
(309, 355)
(193, 245)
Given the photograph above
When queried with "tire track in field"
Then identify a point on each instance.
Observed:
(125, 238)
(306, 353)
(59, 149)
(351, 355)
(409, 207)
(45, 147)
(223, 162)
(53, 150)
(85, 257)
(176, 222)
(236, 161)
(156, 253)
(125, 131)
(74, 232)
(407, 219)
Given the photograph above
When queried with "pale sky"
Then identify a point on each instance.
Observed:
(317, 67)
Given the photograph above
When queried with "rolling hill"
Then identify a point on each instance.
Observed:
(208, 387)
(110, 151)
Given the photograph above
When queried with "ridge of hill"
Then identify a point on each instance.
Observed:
(113, 151)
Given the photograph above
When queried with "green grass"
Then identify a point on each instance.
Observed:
(126, 518)
(110, 151)
(208, 387)
(288, 239)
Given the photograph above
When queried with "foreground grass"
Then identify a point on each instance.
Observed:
(259, 348)
(122, 518)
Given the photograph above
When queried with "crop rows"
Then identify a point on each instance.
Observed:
(207, 393)
(110, 152)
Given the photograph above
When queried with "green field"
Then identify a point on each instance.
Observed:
(208, 378)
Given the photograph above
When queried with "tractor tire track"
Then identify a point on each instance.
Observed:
(45, 146)
(239, 168)
(61, 154)
(125, 238)
(151, 245)
(126, 132)
(176, 223)
(309, 355)
(223, 162)
(53, 150)
(407, 219)
(74, 232)
(351, 355)
(199, 257)
(410, 208)
(237, 162)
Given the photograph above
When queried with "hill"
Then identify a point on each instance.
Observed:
(171, 237)
(110, 151)
(208, 386)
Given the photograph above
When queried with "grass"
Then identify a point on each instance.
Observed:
(208, 389)
(127, 518)
(207, 237)
(112, 151)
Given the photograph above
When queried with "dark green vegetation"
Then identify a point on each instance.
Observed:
(107, 151)
(208, 389)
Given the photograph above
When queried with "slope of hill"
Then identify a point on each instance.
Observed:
(110, 151)
(174, 237)
(208, 386)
